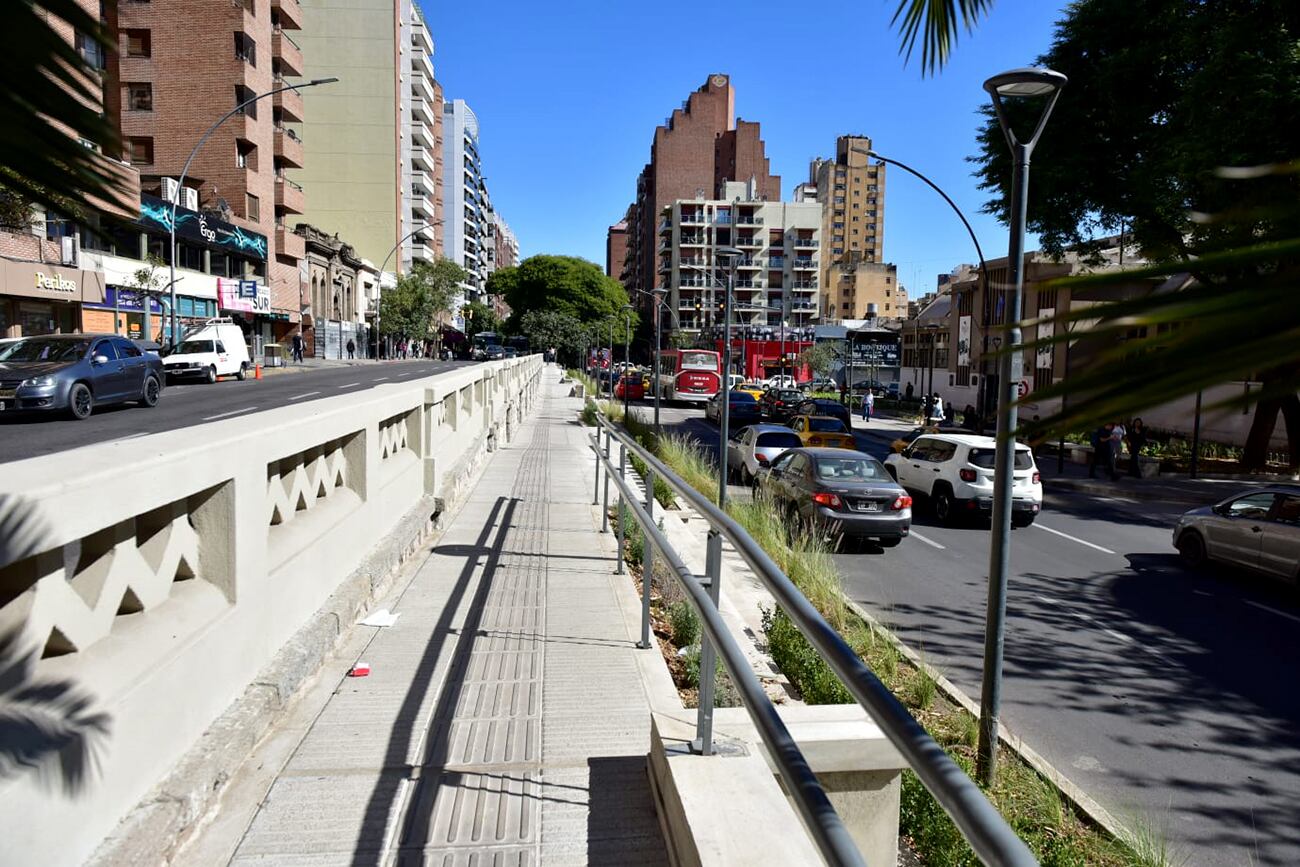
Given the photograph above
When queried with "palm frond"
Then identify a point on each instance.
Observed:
(936, 23)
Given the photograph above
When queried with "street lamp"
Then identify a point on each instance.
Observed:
(379, 286)
(1024, 83)
(180, 182)
(731, 256)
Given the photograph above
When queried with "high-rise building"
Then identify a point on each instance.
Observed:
(694, 153)
(851, 190)
(240, 172)
(372, 142)
(616, 249)
(507, 245)
(467, 233)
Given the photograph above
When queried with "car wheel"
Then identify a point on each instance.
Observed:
(1021, 521)
(888, 543)
(211, 376)
(944, 508)
(1191, 547)
(243, 371)
(152, 389)
(80, 401)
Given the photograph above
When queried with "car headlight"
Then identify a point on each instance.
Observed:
(38, 382)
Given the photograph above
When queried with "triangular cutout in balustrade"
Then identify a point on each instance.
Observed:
(57, 644)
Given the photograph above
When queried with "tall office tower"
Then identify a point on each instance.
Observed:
(694, 153)
(373, 140)
(166, 101)
(468, 231)
(851, 190)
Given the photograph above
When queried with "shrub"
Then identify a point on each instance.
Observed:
(685, 623)
(633, 539)
(725, 693)
(802, 664)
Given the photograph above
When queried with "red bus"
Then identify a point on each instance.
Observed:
(692, 375)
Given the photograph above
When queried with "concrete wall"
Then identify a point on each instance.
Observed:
(161, 575)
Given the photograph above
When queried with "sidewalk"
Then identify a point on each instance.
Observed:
(314, 364)
(504, 720)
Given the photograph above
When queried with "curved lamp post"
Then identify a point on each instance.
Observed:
(731, 256)
(379, 285)
(1044, 84)
(180, 183)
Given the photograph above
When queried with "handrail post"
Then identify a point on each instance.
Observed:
(595, 447)
(708, 655)
(622, 517)
(604, 511)
(647, 563)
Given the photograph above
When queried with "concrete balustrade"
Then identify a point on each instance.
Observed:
(190, 580)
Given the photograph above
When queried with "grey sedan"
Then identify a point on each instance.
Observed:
(756, 446)
(1259, 530)
(77, 372)
(847, 494)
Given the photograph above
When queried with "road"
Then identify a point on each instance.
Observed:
(1170, 696)
(187, 404)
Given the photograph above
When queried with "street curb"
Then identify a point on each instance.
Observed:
(1147, 493)
(1080, 800)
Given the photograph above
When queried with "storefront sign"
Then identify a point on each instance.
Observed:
(56, 283)
(156, 214)
(231, 296)
(127, 300)
(248, 289)
(51, 282)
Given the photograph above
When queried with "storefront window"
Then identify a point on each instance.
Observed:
(189, 256)
(125, 241)
(159, 247)
(222, 265)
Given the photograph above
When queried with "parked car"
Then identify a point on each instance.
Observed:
(907, 439)
(510, 352)
(847, 494)
(781, 380)
(777, 403)
(821, 383)
(1259, 530)
(823, 406)
(76, 373)
(632, 383)
(494, 352)
(743, 409)
(757, 446)
(753, 388)
(822, 430)
(735, 380)
(956, 472)
(216, 349)
(878, 388)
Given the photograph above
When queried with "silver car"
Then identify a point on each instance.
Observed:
(757, 446)
(76, 373)
(1259, 530)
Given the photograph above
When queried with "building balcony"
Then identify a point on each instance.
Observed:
(289, 102)
(289, 12)
(421, 158)
(288, 147)
(693, 219)
(421, 108)
(805, 264)
(749, 242)
(748, 262)
(691, 261)
(421, 205)
(804, 286)
(284, 49)
(288, 243)
(289, 196)
(665, 226)
(665, 246)
(805, 243)
(422, 183)
(776, 261)
(422, 81)
(750, 284)
(420, 134)
(420, 37)
(748, 220)
(693, 241)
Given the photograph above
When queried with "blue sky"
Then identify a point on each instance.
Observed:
(568, 95)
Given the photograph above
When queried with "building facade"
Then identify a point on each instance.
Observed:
(694, 153)
(241, 173)
(371, 142)
(334, 277)
(615, 249)
(468, 232)
(851, 191)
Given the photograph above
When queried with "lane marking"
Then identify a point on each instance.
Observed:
(1073, 538)
(301, 396)
(1115, 634)
(931, 542)
(232, 412)
(1272, 610)
(349, 385)
(379, 379)
(143, 433)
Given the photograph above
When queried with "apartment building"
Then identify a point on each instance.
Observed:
(373, 140)
(240, 173)
(616, 249)
(696, 151)
(467, 233)
(851, 191)
(507, 245)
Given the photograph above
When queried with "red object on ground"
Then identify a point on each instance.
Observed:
(361, 669)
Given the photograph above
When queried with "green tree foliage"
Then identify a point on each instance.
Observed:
(480, 317)
(1191, 151)
(560, 284)
(820, 358)
(936, 24)
(549, 328)
(411, 309)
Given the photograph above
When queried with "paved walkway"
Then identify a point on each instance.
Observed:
(504, 721)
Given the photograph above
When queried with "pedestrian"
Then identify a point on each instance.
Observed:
(868, 405)
(352, 348)
(937, 413)
(909, 391)
(297, 348)
(1137, 440)
(968, 419)
(1100, 439)
(1117, 437)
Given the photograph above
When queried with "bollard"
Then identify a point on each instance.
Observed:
(708, 656)
(257, 371)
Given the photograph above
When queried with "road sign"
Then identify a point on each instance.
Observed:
(1022, 388)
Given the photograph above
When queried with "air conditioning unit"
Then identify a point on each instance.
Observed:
(190, 198)
(71, 249)
(169, 188)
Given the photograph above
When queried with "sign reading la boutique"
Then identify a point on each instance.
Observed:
(51, 282)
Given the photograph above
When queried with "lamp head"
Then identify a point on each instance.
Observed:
(316, 81)
(728, 252)
(1026, 81)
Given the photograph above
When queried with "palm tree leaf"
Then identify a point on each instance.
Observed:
(937, 23)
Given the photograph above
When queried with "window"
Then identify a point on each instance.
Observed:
(126, 349)
(139, 96)
(1254, 507)
(1288, 510)
(140, 149)
(139, 43)
(839, 200)
(245, 155)
(243, 94)
(245, 49)
(839, 186)
(189, 256)
(105, 348)
(91, 51)
(837, 250)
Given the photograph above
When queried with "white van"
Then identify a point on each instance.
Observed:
(215, 349)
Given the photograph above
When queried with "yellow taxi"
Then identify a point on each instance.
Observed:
(752, 388)
(822, 431)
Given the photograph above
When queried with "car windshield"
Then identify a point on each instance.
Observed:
(742, 397)
(37, 349)
(778, 440)
(986, 458)
(190, 346)
(851, 469)
(788, 395)
(826, 425)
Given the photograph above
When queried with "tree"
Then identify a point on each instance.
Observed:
(549, 328)
(412, 309)
(936, 23)
(480, 317)
(149, 284)
(820, 358)
(1139, 144)
(561, 284)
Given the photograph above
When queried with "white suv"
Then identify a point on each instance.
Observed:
(956, 472)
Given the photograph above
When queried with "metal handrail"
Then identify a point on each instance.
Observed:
(984, 828)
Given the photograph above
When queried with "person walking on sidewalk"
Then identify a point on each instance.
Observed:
(1137, 440)
(352, 348)
(868, 405)
(297, 348)
(1100, 449)
(1117, 435)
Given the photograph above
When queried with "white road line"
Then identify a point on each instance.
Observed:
(379, 379)
(143, 433)
(1272, 610)
(301, 396)
(349, 385)
(232, 412)
(930, 542)
(1074, 539)
(408, 373)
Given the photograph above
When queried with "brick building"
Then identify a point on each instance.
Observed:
(700, 147)
(851, 191)
(179, 67)
(616, 249)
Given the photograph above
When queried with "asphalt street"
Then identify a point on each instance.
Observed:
(188, 404)
(1168, 695)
